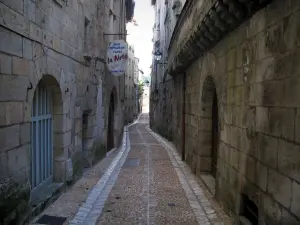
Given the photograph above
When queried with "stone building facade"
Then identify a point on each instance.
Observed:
(136, 76)
(130, 87)
(60, 109)
(235, 115)
(166, 15)
(132, 73)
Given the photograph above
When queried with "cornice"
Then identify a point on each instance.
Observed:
(221, 18)
(186, 8)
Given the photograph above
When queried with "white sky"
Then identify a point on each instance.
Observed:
(140, 36)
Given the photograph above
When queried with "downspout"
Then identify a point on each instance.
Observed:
(123, 30)
(183, 118)
(156, 71)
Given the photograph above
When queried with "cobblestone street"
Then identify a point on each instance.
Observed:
(146, 183)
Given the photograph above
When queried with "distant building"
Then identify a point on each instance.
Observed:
(166, 15)
(133, 31)
(136, 86)
(130, 93)
(146, 99)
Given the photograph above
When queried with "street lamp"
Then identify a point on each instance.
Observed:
(157, 57)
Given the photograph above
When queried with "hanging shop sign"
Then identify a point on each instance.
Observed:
(117, 56)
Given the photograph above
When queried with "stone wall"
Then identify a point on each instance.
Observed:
(58, 44)
(166, 110)
(255, 73)
(165, 96)
(129, 87)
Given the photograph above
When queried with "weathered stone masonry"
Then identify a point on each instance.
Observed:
(255, 72)
(59, 45)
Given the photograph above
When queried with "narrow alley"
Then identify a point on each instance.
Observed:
(145, 183)
(149, 112)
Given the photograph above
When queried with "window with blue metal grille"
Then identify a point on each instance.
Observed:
(41, 138)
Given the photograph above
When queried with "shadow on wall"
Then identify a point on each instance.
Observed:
(111, 139)
(92, 147)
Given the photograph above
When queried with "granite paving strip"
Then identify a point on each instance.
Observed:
(76, 201)
(70, 201)
(206, 209)
(153, 187)
(172, 204)
(92, 207)
(101, 196)
(89, 212)
(149, 193)
(131, 190)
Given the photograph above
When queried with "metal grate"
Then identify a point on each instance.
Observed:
(52, 220)
(250, 210)
(132, 162)
(41, 138)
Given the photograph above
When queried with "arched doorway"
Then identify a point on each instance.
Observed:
(45, 134)
(110, 128)
(209, 128)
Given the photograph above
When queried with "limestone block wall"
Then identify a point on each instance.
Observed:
(166, 110)
(129, 87)
(256, 75)
(58, 44)
(164, 101)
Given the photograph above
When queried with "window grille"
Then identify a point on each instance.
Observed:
(41, 138)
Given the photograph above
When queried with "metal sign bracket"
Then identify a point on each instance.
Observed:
(115, 34)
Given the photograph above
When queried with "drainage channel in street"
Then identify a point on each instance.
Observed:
(90, 211)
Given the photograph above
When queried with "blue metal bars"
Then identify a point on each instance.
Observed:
(41, 138)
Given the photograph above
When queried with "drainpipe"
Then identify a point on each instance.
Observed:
(122, 30)
(183, 118)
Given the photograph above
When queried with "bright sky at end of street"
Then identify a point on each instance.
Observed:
(141, 36)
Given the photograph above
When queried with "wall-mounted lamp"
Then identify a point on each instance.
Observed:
(157, 57)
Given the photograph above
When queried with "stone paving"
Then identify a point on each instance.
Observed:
(69, 202)
(148, 193)
(145, 183)
(160, 188)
